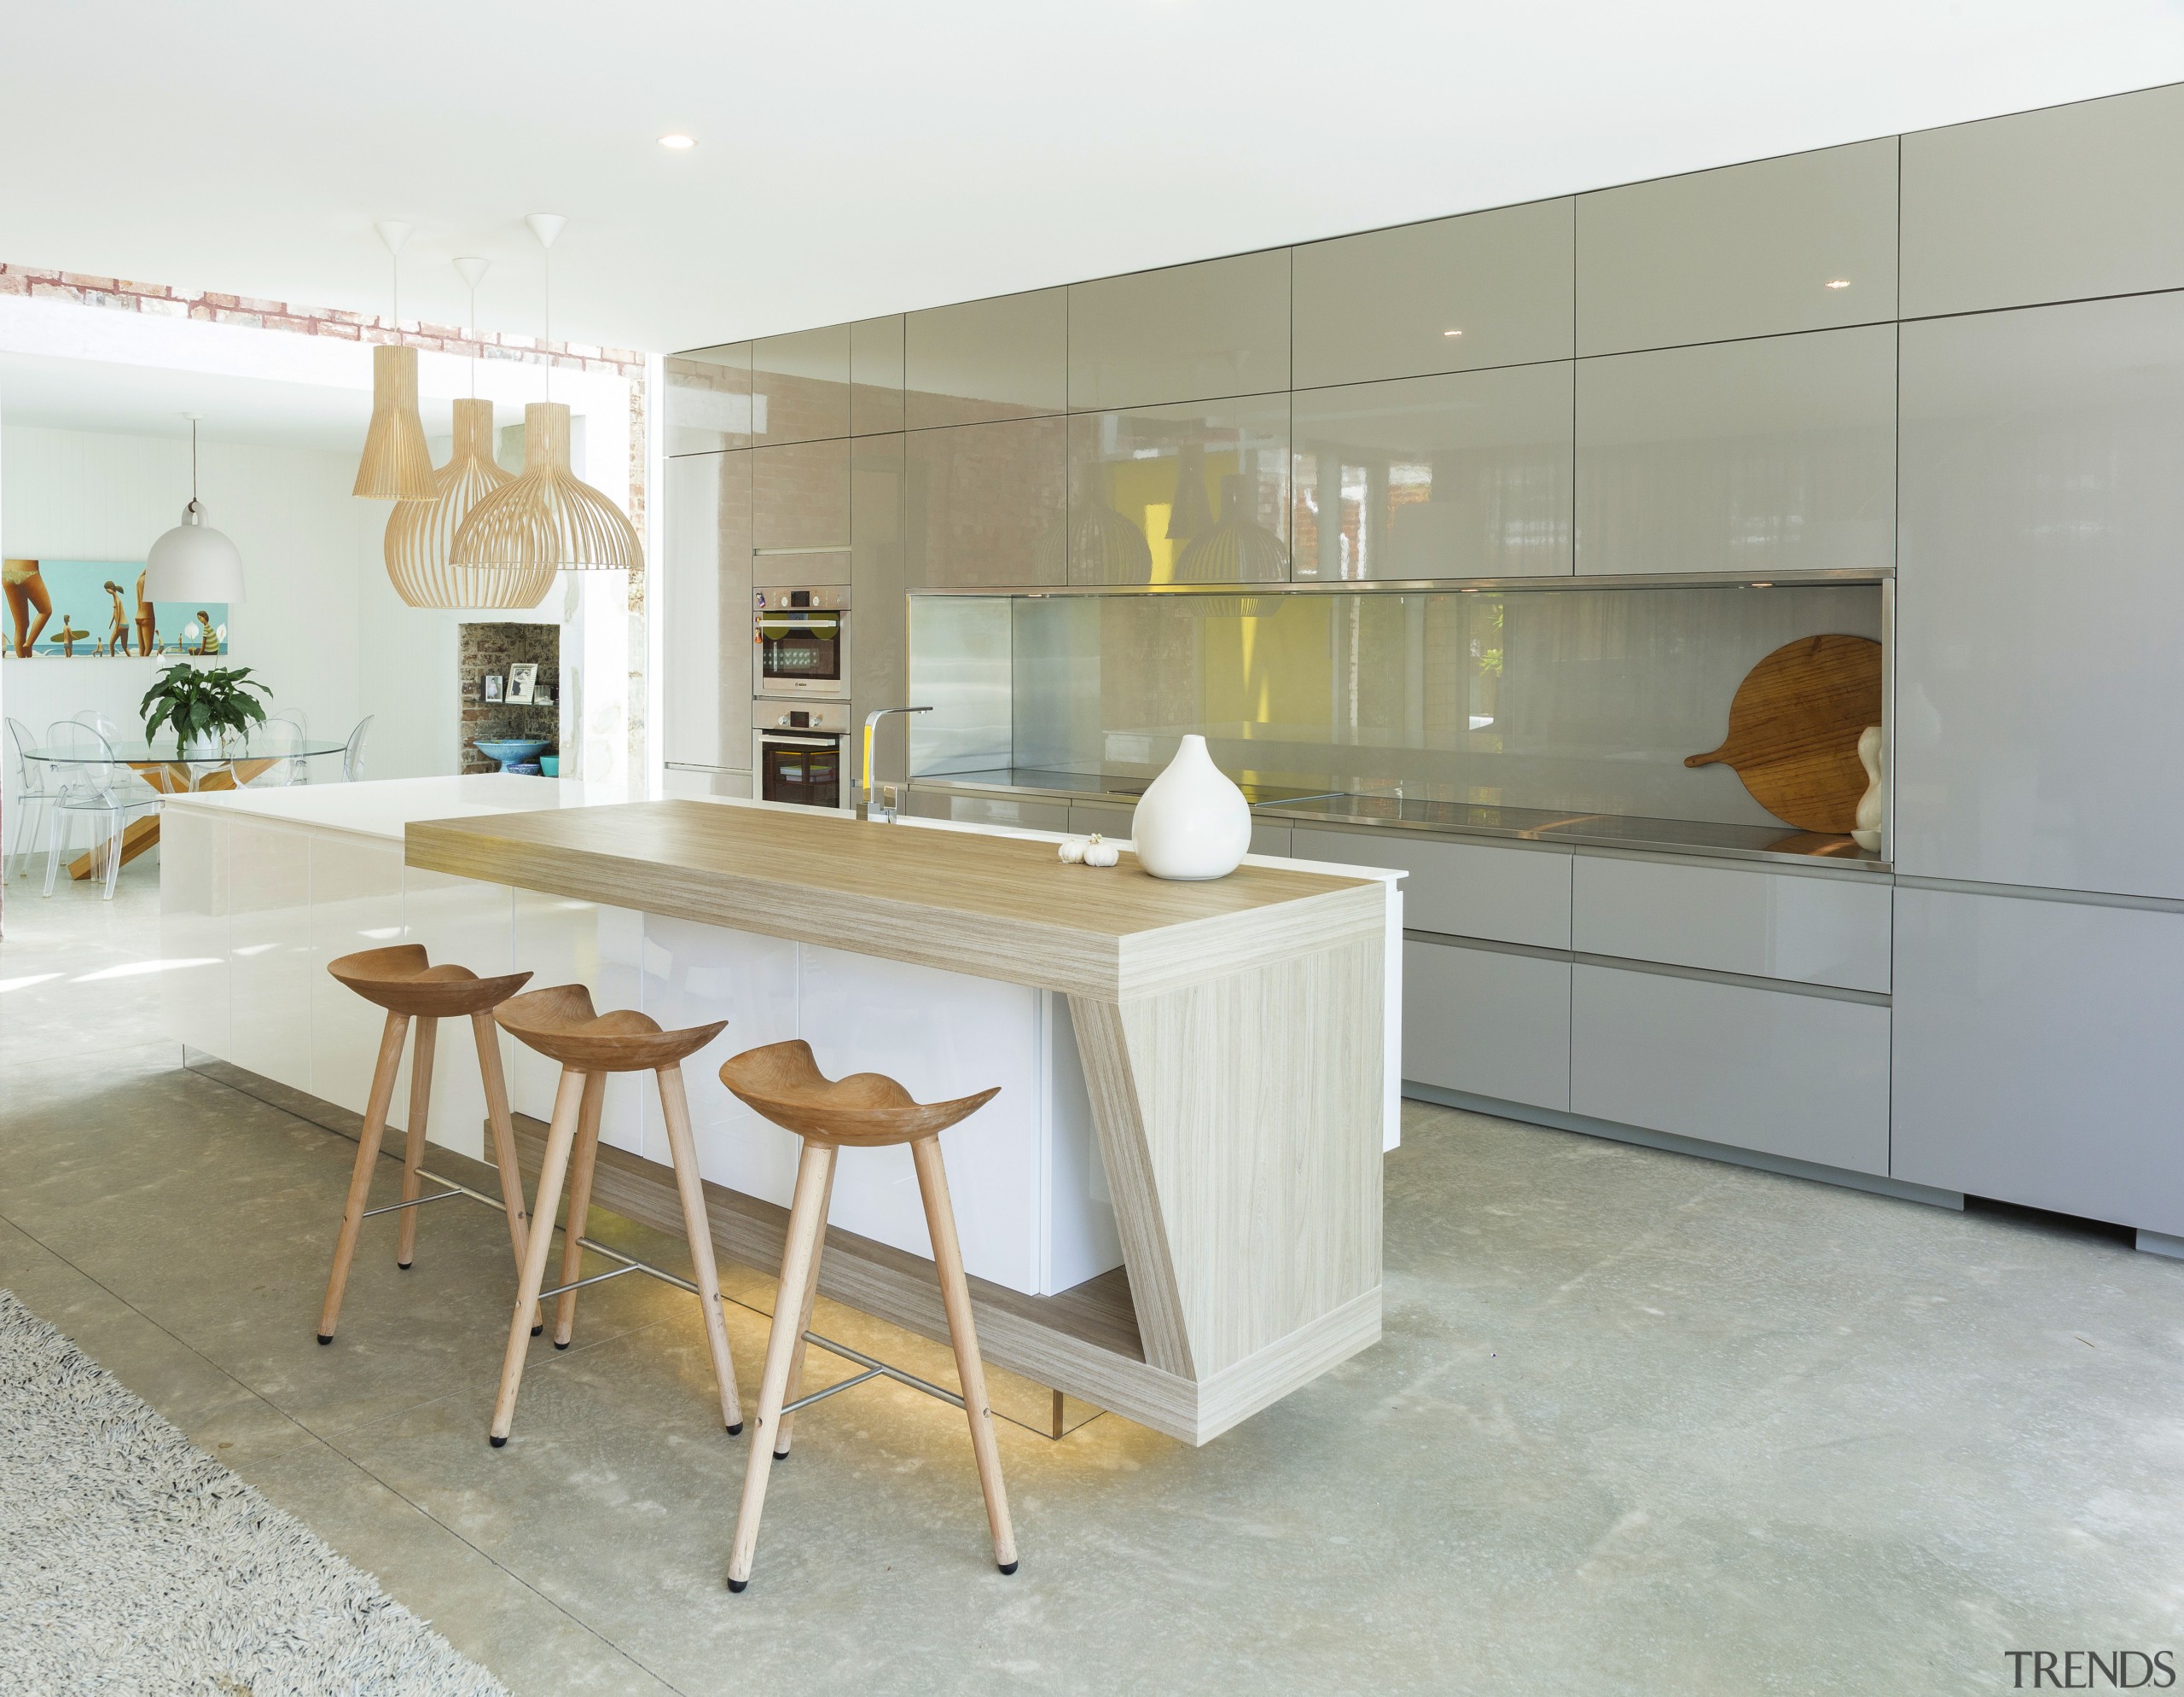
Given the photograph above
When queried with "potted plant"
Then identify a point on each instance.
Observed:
(199, 703)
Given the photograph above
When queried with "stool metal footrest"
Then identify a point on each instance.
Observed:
(877, 1369)
(417, 1202)
(596, 1279)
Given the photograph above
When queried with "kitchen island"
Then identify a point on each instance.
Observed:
(1173, 1209)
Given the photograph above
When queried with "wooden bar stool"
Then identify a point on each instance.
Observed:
(561, 1025)
(866, 1110)
(403, 980)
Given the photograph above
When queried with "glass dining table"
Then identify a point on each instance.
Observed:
(163, 767)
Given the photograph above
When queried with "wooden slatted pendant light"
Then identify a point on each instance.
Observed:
(421, 534)
(397, 465)
(548, 520)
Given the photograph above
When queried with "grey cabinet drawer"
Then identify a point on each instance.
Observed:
(1486, 1022)
(1729, 919)
(1779, 1071)
(1506, 895)
(989, 809)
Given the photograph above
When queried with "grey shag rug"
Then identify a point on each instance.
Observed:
(131, 1561)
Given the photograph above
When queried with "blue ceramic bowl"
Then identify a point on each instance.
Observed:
(512, 751)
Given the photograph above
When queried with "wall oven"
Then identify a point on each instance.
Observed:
(801, 643)
(798, 757)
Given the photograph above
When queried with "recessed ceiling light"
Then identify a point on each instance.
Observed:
(1452, 333)
(682, 143)
(1839, 282)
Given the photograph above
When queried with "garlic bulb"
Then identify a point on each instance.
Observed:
(1100, 852)
(1072, 851)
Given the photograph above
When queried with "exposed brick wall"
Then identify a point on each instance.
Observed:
(119, 294)
(492, 648)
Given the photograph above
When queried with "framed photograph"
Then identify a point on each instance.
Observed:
(523, 682)
(492, 682)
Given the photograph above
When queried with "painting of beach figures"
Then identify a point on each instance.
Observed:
(88, 609)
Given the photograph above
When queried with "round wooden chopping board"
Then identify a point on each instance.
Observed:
(1793, 729)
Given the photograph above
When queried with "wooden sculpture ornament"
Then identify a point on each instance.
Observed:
(1794, 726)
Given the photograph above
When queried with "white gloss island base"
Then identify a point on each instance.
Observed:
(263, 888)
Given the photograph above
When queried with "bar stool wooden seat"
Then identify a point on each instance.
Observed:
(403, 980)
(867, 1110)
(562, 1024)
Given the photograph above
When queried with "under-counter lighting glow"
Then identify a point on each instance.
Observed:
(1839, 282)
(1452, 333)
(681, 143)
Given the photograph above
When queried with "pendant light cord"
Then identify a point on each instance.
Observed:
(547, 347)
(193, 462)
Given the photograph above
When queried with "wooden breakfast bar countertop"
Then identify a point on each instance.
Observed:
(1233, 1035)
(992, 906)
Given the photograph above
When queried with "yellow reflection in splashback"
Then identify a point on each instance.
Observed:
(1144, 492)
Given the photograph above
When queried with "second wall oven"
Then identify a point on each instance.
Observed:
(801, 642)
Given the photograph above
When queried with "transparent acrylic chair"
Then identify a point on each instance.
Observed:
(353, 757)
(89, 785)
(33, 790)
(280, 741)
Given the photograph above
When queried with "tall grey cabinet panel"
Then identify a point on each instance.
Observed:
(1188, 332)
(2061, 205)
(986, 504)
(2039, 597)
(876, 375)
(805, 381)
(1763, 456)
(708, 406)
(1466, 475)
(706, 644)
(2037, 1053)
(981, 360)
(1197, 493)
(1487, 288)
(800, 496)
(1804, 243)
(879, 658)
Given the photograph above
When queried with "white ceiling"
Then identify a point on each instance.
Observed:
(863, 158)
(44, 393)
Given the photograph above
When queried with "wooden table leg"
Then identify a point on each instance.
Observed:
(141, 834)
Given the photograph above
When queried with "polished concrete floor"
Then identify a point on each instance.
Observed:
(1639, 1423)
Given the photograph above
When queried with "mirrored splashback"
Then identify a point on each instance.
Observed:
(1579, 699)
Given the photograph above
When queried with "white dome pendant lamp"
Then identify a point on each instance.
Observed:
(397, 465)
(193, 561)
(421, 534)
(549, 518)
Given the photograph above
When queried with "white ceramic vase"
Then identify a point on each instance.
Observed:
(1866, 835)
(1192, 822)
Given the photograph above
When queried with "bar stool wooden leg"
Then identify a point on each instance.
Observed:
(955, 1295)
(360, 1176)
(786, 1430)
(807, 1223)
(413, 1145)
(560, 1136)
(580, 1170)
(682, 1149)
(504, 1125)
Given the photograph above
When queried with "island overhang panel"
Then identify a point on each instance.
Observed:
(1231, 1032)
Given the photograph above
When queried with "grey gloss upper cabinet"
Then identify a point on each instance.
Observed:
(708, 405)
(984, 504)
(876, 375)
(2038, 597)
(801, 496)
(2064, 204)
(803, 379)
(1466, 475)
(879, 672)
(1196, 493)
(704, 674)
(1804, 243)
(1188, 332)
(1487, 288)
(982, 360)
(1762, 456)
